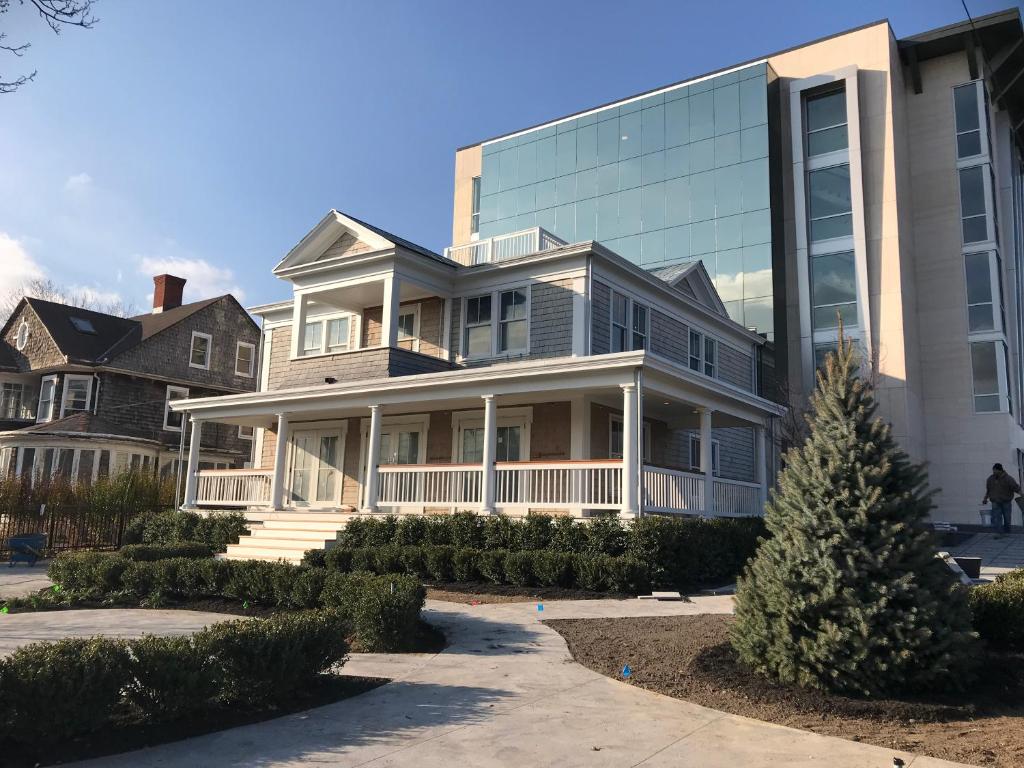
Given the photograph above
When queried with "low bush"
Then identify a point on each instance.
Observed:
(149, 552)
(678, 552)
(522, 568)
(998, 610)
(382, 611)
(62, 690)
(217, 529)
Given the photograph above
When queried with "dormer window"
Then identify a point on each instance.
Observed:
(22, 339)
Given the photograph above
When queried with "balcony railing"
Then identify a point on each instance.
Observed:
(233, 487)
(422, 486)
(570, 485)
(503, 247)
(672, 491)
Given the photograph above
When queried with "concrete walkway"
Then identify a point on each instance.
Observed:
(998, 554)
(20, 580)
(507, 693)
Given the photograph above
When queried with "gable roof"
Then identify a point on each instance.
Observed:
(84, 423)
(692, 278)
(333, 226)
(78, 345)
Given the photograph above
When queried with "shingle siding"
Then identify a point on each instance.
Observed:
(669, 337)
(551, 318)
(735, 367)
(600, 319)
(39, 351)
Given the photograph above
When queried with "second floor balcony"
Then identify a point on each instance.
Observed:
(503, 247)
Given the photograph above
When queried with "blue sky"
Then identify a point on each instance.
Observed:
(205, 138)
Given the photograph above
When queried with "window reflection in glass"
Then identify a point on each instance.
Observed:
(968, 129)
(985, 371)
(980, 316)
(830, 206)
(833, 290)
(972, 204)
(826, 123)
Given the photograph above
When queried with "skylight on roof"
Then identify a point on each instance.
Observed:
(82, 325)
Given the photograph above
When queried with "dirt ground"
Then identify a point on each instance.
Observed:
(485, 594)
(688, 657)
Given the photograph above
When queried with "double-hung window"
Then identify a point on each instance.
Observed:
(969, 111)
(983, 272)
(616, 433)
(990, 373)
(478, 326)
(173, 420)
(629, 324)
(47, 390)
(407, 322)
(77, 391)
(313, 338)
(199, 351)
(12, 396)
(831, 211)
(512, 324)
(326, 335)
(695, 455)
(826, 122)
(703, 354)
(245, 354)
(338, 334)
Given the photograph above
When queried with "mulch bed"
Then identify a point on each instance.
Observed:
(128, 734)
(689, 657)
(484, 594)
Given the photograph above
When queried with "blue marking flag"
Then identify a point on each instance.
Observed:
(626, 671)
(540, 607)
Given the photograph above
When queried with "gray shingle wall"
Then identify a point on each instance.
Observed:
(455, 342)
(551, 318)
(406, 363)
(167, 353)
(600, 318)
(735, 367)
(670, 337)
(39, 351)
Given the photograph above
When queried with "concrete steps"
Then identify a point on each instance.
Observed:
(288, 537)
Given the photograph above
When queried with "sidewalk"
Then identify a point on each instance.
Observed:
(998, 555)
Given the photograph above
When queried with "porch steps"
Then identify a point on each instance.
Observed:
(288, 538)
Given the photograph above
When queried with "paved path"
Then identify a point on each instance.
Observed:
(998, 555)
(507, 693)
(20, 580)
(21, 628)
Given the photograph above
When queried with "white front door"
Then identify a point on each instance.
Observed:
(316, 468)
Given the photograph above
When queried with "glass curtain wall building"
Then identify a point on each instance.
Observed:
(662, 179)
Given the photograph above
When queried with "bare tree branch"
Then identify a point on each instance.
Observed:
(48, 290)
(57, 14)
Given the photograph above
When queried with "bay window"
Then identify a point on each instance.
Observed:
(983, 273)
(968, 110)
(975, 204)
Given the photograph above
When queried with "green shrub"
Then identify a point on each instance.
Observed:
(260, 581)
(536, 532)
(306, 587)
(170, 677)
(217, 529)
(628, 575)
(150, 552)
(466, 565)
(553, 569)
(315, 558)
(339, 558)
(501, 532)
(88, 574)
(364, 559)
(57, 691)
(259, 660)
(492, 565)
(355, 532)
(439, 562)
(382, 611)
(388, 559)
(382, 532)
(519, 569)
(466, 530)
(593, 572)
(412, 530)
(414, 561)
(998, 610)
(605, 536)
(567, 535)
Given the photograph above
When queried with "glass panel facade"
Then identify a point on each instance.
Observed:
(968, 127)
(833, 290)
(972, 204)
(830, 206)
(660, 180)
(826, 122)
(985, 369)
(980, 316)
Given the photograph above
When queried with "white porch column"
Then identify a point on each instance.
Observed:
(630, 452)
(191, 481)
(280, 463)
(705, 461)
(299, 308)
(490, 454)
(372, 461)
(389, 312)
(761, 465)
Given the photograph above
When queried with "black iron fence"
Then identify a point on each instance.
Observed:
(66, 527)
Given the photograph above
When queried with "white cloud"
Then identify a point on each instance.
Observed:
(78, 183)
(203, 278)
(18, 265)
(94, 297)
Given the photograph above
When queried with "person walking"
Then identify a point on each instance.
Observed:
(1000, 489)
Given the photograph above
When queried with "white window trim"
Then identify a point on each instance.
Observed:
(495, 294)
(243, 436)
(252, 358)
(40, 416)
(506, 417)
(630, 302)
(322, 321)
(1002, 377)
(167, 410)
(991, 236)
(716, 456)
(337, 429)
(704, 338)
(995, 286)
(807, 132)
(983, 127)
(68, 378)
(614, 418)
(22, 339)
(209, 350)
(414, 310)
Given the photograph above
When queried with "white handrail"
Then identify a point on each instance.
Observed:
(675, 492)
(502, 247)
(565, 485)
(233, 487)
(454, 486)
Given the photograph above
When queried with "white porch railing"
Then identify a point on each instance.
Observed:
(457, 486)
(669, 490)
(734, 498)
(502, 247)
(569, 485)
(233, 487)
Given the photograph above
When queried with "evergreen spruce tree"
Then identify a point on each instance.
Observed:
(847, 593)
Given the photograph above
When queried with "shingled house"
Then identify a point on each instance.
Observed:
(85, 394)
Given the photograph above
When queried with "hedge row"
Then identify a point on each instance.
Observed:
(998, 610)
(678, 552)
(149, 552)
(217, 529)
(60, 690)
(382, 611)
(524, 568)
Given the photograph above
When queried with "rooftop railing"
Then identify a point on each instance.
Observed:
(503, 247)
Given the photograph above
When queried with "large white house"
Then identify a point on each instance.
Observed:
(514, 374)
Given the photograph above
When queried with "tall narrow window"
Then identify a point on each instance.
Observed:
(826, 123)
(474, 218)
(639, 326)
(337, 334)
(710, 357)
(77, 390)
(695, 455)
(312, 338)
(833, 290)
(47, 388)
(173, 420)
(985, 364)
(478, 326)
(620, 323)
(830, 203)
(968, 120)
(973, 207)
(981, 314)
(11, 400)
(199, 355)
(696, 349)
(245, 354)
(512, 323)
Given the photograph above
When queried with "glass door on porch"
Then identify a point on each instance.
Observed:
(316, 468)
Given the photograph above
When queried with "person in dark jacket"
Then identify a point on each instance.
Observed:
(1000, 489)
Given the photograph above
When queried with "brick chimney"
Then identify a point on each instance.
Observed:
(167, 292)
